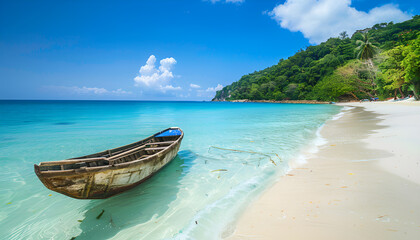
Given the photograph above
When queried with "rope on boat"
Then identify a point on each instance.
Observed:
(252, 152)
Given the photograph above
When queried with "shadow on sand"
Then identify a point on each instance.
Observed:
(138, 205)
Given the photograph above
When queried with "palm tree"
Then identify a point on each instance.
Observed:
(366, 50)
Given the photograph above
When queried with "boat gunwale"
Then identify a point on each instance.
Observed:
(87, 170)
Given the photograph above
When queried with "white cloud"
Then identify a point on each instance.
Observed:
(156, 78)
(319, 20)
(227, 1)
(209, 92)
(84, 90)
(194, 85)
(119, 91)
(214, 89)
(89, 90)
(169, 88)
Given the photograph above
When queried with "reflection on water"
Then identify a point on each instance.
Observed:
(139, 205)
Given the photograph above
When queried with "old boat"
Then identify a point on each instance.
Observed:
(104, 174)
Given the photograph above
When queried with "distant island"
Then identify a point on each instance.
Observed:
(379, 62)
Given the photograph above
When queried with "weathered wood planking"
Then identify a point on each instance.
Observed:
(110, 172)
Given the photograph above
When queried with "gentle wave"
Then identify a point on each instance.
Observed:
(185, 191)
(343, 111)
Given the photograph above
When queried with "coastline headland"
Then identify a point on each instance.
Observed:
(273, 101)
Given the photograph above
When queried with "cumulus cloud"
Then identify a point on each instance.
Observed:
(319, 20)
(192, 85)
(156, 78)
(214, 89)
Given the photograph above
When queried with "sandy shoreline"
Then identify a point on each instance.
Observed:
(364, 183)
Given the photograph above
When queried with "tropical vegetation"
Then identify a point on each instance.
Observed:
(382, 61)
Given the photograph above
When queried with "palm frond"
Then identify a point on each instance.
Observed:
(359, 53)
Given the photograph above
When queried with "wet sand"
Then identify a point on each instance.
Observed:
(364, 183)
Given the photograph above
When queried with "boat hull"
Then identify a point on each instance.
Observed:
(103, 182)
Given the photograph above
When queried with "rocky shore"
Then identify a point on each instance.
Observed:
(283, 101)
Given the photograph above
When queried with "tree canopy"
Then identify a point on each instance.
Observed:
(317, 72)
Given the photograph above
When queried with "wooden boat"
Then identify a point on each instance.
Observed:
(104, 174)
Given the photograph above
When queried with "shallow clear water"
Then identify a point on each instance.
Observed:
(185, 200)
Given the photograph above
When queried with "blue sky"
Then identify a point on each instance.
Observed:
(186, 49)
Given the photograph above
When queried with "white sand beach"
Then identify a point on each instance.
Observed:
(364, 183)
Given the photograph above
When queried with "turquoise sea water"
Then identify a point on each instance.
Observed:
(185, 200)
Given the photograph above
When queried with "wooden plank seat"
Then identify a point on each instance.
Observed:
(126, 153)
(136, 146)
(73, 164)
(160, 143)
(110, 153)
(71, 161)
(130, 158)
(155, 149)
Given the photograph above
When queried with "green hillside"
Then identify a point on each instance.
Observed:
(338, 69)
